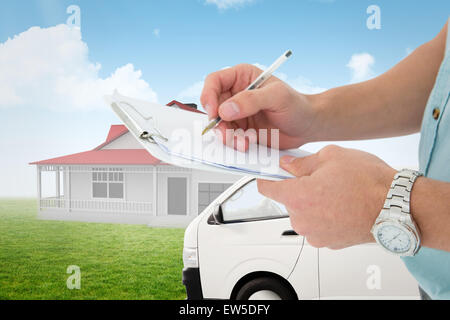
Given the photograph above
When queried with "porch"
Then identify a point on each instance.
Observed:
(103, 198)
(54, 203)
(111, 194)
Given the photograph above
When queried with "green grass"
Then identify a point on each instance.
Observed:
(116, 261)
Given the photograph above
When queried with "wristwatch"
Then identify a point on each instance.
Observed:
(395, 229)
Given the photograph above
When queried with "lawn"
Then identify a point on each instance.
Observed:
(116, 261)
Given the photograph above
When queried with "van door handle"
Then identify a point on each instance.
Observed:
(289, 233)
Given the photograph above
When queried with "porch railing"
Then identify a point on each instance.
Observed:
(110, 206)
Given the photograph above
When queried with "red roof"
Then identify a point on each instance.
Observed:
(112, 156)
(106, 157)
(116, 131)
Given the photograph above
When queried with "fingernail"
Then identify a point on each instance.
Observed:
(287, 159)
(229, 110)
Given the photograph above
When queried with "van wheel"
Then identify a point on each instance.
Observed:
(265, 289)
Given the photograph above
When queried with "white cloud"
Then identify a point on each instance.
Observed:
(156, 33)
(361, 66)
(226, 4)
(50, 68)
(191, 93)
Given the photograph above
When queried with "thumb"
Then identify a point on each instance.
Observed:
(300, 167)
(247, 103)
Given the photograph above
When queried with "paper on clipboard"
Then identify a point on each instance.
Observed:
(174, 136)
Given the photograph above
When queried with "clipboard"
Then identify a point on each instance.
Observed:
(174, 136)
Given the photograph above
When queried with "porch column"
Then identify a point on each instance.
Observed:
(69, 191)
(58, 187)
(155, 191)
(39, 193)
(65, 188)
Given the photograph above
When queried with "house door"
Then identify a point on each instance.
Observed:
(177, 196)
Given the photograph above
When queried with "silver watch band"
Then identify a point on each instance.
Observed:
(398, 197)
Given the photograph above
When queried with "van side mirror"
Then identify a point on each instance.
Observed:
(216, 217)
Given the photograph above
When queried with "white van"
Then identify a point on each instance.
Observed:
(242, 247)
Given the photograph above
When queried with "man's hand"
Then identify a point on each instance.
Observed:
(273, 106)
(336, 196)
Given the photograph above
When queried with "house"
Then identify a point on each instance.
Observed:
(121, 182)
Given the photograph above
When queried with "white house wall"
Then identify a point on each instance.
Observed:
(81, 185)
(139, 187)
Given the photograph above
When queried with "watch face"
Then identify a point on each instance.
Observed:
(394, 239)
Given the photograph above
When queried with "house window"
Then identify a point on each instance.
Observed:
(107, 183)
(208, 192)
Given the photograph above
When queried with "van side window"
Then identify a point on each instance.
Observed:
(248, 204)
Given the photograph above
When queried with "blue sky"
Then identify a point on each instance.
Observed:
(193, 39)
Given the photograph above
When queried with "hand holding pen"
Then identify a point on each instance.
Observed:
(275, 105)
(263, 77)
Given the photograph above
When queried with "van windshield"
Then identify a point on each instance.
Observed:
(248, 204)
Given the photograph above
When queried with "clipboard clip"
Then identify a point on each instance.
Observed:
(133, 126)
(151, 136)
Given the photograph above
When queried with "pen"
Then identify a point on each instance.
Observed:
(255, 84)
